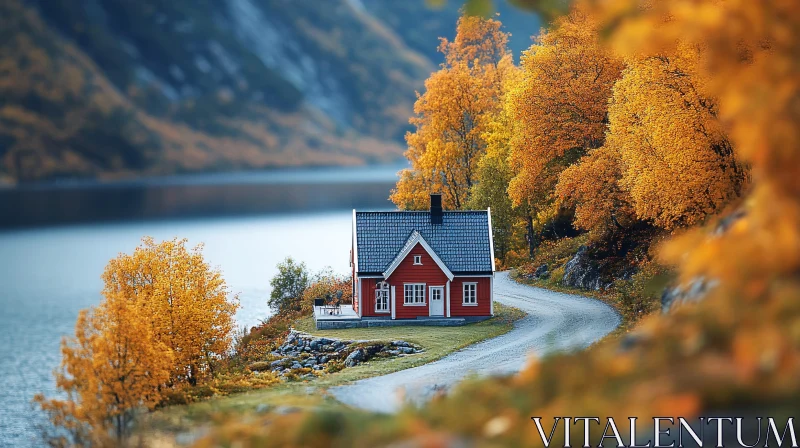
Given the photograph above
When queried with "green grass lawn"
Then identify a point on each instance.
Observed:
(436, 341)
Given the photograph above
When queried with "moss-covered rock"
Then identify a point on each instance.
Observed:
(302, 351)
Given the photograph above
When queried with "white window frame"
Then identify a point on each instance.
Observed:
(474, 285)
(415, 288)
(418, 260)
(382, 290)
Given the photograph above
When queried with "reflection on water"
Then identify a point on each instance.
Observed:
(48, 274)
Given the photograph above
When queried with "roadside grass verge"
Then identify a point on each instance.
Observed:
(608, 297)
(436, 341)
(632, 299)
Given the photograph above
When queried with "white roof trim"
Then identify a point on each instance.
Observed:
(410, 244)
(491, 237)
(355, 244)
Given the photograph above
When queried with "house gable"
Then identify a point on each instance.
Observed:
(416, 240)
(427, 273)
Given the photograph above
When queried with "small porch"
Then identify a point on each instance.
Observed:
(329, 313)
(346, 317)
(343, 316)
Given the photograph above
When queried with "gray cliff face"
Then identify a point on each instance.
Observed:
(276, 46)
(351, 60)
(273, 53)
(198, 85)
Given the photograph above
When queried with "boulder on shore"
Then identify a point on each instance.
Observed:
(354, 358)
(301, 350)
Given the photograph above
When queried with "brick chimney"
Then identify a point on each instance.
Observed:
(436, 208)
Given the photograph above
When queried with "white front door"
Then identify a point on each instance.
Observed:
(437, 301)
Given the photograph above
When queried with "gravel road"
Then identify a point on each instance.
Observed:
(555, 322)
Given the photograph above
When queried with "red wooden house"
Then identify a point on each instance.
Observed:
(433, 265)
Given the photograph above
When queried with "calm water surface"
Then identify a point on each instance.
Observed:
(48, 274)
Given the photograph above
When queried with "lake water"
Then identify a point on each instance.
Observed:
(47, 274)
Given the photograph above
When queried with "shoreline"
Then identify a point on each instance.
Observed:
(182, 421)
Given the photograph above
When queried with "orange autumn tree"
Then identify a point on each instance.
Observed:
(109, 369)
(679, 164)
(184, 300)
(560, 107)
(451, 116)
(326, 284)
(667, 159)
(592, 186)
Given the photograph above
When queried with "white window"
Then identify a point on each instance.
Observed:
(414, 294)
(470, 294)
(382, 298)
(417, 259)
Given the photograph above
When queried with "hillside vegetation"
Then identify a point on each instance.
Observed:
(113, 88)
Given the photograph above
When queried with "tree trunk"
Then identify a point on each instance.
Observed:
(530, 236)
(192, 375)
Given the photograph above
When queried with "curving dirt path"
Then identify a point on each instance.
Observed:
(555, 322)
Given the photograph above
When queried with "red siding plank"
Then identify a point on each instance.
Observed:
(483, 308)
(368, 297)
(357, 295)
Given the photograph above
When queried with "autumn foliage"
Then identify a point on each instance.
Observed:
(113, 366)
(582, 136)
(183, 298)
(560, 105)
(494, 174)
(705, 111)
(164, 322)
(453, 114)
(329, 286)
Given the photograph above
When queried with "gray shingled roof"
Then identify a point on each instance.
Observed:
(461, 241)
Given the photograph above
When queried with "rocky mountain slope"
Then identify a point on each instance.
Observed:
(115, 88)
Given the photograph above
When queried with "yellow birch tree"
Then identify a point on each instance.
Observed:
(751, 64)
(667, 159)
(184, 300)
(494, 175)
(112, 367)
(451, 116)
(592, 186)
(560, 106)
(678, 163)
